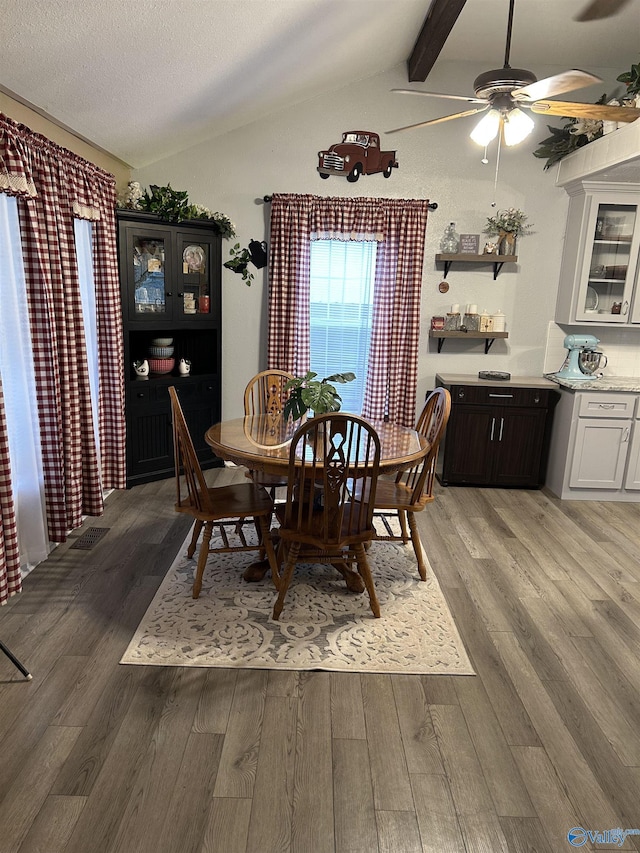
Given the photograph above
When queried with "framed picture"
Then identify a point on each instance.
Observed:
(469, 244)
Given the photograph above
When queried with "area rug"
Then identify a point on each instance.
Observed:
(323, 626)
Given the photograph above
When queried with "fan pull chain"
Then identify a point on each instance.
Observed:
(485, 159)
(495, 180)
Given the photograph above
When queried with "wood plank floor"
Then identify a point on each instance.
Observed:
(101, 758)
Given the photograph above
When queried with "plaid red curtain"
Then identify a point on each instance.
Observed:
(10, 580)
(53, 186)
(289, 283)
(399, 227)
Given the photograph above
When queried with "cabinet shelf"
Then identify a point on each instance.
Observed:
(620, 241)
(488, 337)
(496, 260)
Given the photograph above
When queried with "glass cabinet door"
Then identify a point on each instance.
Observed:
(194, 260)
(169, 274)
(606, 297)
(148, 262)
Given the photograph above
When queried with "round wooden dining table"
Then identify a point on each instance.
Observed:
(262, 442)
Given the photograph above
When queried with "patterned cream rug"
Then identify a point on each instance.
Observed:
(323, 626)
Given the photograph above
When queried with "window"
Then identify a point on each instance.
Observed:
(388, 236)
(341, 311)
(19, 386)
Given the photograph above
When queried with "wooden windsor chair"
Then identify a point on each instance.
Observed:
(224, 507)
(265, 394)
(412, 490)
(322, 520)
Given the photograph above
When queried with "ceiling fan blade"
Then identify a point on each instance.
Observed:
(440, 95)
(567, 81)
(441, 119)
(598, 9)
(597, 111)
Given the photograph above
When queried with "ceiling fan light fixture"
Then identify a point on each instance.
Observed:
(517, 126)
(487, 129)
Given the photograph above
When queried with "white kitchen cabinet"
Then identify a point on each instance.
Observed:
(632, 479)
(598, 274)
(595, 447)
(599, 454)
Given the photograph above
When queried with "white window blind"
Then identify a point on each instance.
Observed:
(341, 311)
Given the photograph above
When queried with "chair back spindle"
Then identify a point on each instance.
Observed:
(265, 393)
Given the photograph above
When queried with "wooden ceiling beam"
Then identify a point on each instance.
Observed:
(439, 22)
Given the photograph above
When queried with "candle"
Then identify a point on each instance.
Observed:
(455, 309)
(472, 309)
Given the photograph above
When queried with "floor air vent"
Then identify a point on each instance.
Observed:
(90, 537)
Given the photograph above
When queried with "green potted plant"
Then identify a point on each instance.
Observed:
(319, 395)
(507, 225)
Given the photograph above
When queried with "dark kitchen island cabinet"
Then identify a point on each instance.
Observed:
(498, 433)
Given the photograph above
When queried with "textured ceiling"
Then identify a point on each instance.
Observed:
(146, 78)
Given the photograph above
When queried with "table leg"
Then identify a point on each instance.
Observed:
(352, 579)
(256, 571)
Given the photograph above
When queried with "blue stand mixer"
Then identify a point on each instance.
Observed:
(583, 359)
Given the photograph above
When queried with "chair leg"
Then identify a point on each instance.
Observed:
(402, 518)
(417, 546)
(365, 573)
(285, 579)
(197, 527)
(202, 558)
(267, 542)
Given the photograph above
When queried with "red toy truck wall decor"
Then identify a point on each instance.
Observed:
(358, 154)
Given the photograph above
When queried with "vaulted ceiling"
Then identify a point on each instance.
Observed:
(145, 79)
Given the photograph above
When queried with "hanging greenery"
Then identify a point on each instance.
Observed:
(239, 263)
(173, 205)
(577, 133)
(631, 80)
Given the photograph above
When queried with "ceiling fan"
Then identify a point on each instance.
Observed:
(506, 90)
(597, 9)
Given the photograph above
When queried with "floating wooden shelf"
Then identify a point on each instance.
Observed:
(496, 260)
(488, 337)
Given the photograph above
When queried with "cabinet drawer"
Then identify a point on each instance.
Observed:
(140, 392)
(500, 395)
(606, 405)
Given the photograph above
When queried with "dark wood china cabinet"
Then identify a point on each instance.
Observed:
(170, 277)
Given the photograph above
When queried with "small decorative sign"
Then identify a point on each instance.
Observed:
(469, 244)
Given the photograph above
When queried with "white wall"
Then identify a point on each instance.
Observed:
(279, 154)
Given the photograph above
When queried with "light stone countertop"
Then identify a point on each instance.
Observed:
(601, 383)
